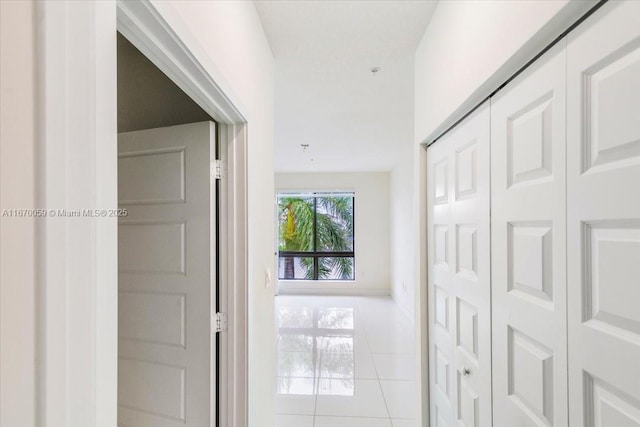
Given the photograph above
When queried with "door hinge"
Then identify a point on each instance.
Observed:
(220, 323)
(216, 169)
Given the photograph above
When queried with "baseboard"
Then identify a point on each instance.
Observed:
(335, 291)
(410, 316)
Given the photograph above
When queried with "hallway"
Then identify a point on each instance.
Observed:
(344, 362)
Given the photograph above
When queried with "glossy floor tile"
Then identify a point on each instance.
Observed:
(395, 394)
(395, 366)
(351, 398)
(295, 404)
(294, 420)
(395, 422)
(344, 362)
(321, 421)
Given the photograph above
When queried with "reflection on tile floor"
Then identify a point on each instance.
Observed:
(344, 362)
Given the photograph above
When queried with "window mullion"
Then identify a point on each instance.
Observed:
(316, 267)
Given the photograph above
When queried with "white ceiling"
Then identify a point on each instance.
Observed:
(325, 94)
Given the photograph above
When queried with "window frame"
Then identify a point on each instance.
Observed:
(315, 254)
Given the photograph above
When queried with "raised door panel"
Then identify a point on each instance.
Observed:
(530, 261)
(603, 221)
(531, 382)
(610, 407)
(528, 191)
(459, 286)
(138, 242)
(151, 166)
(152, 388)
(612, 258)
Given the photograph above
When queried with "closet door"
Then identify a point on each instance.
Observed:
(603, 223)
(459, 275)
(528, 191)
(439, 287)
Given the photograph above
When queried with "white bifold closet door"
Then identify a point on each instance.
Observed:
(603, 225)
(529, 293)
(459, 275)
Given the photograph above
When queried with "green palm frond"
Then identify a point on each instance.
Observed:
(296, 224)
(307, 264)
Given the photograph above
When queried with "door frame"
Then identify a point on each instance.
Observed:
(142, 24)
(76, 159)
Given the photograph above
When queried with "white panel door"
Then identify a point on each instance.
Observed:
(459, 275)
(603, 222)
(439, 287)
(528, 190)
(166, 277)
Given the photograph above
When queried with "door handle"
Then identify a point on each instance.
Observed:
(466, 371)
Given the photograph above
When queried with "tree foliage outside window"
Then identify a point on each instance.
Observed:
(316, 236)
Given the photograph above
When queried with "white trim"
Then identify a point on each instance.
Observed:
(313, 193)
(421, 297)
(293, 290)
(77, 257)
(77, 158)
(234, 281)
(143, 25)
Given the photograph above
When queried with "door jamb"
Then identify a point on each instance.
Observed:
(143, 25)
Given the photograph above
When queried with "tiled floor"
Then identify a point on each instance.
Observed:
(344, 362)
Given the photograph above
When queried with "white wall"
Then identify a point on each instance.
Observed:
(17, 235)
(228, 39)
(371, 226)
(403, 234)
(470, 47)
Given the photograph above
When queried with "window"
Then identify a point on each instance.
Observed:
(316, 236)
